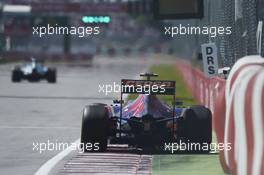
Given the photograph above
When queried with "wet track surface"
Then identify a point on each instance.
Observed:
(41, 112)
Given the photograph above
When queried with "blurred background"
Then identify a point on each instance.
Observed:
(132, 40)
(131, 29)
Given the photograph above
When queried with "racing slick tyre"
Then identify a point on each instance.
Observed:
(16, 75)
(94, 128)
(198, 125)
(51, 76)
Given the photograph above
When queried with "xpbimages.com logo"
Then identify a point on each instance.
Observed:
(139, 89)
(49, 145)
(211, 31)
(192, 146)
(81, 32)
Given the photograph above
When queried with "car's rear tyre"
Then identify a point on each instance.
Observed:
(16, 75)
(198, 125)
(51, 76)
(94, 127)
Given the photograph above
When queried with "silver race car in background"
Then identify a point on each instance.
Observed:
(34, 71)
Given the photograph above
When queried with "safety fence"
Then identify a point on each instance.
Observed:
(243, 16)
(204, 90)
(237, 105)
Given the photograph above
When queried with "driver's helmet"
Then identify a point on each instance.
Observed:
(34, 60)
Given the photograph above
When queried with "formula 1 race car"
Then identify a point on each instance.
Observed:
(33, 72)
(146, 122)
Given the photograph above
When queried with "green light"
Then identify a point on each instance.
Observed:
(101, 19)
(91, 19)
(107, 19)
(85, 19)
(96, 19)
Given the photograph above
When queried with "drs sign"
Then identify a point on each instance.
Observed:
(210, 61)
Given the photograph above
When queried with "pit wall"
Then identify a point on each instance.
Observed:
(237, 105)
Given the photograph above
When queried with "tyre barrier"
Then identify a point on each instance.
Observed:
(238, 112)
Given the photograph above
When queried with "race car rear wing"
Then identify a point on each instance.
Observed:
(150, 87)
(153, 87)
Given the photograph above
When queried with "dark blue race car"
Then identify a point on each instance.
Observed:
(34, 71)
(146, 122)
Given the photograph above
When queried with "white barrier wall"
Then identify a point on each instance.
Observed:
(244, 117)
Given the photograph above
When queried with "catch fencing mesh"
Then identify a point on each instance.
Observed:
(242, 16)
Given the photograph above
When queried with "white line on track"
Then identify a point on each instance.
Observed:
(47, 167)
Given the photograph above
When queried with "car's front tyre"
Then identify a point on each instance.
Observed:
(51, 75)
(16, 75)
